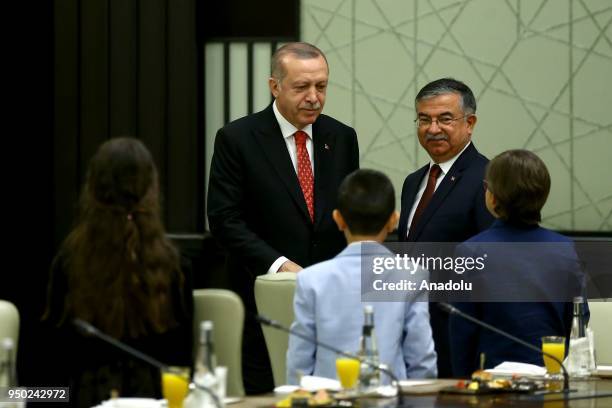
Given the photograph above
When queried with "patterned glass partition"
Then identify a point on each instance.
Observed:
(541, 71)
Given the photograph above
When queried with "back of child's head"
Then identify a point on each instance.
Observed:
(520, 183)
(366, 200)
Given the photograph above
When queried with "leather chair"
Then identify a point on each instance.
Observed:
(9, 329)
(225, 309)
(274, 299)
(599, 322)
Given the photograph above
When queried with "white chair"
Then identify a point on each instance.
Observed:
(601, 313)
(9, 328)
(274, 299)
(225, 309)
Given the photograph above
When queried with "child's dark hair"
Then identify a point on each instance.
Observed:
(520, 183)
(366, 200)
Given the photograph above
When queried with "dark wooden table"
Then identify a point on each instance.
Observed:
(584, 395)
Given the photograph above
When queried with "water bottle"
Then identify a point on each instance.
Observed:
(206, 363)
(369, 376)
(579, 357)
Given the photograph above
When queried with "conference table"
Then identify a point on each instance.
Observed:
(583, 395)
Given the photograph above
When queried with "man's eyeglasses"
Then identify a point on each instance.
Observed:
(425, 122)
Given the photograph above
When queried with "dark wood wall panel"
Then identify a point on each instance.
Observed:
(182, 114)
(128, 67)
(152, 121)
(66, 112)
(123, 67)
(94, 74)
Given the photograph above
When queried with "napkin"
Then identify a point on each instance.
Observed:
(132, 403)
(509, 368)
(313, 383)
(310, 383)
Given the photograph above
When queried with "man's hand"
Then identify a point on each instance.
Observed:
(289, 266)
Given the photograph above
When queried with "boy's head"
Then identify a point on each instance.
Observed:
(366, 204)
(517, 184)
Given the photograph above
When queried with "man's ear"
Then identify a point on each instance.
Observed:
(274, 85)
(392, 222)
(471, 122)
(339, 220)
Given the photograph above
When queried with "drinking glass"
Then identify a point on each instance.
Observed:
(175, 385)
(348, 372)
(554, 345)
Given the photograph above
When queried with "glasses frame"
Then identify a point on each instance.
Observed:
(437, 121)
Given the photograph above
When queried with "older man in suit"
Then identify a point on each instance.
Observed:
(273, 184)
(444, 200)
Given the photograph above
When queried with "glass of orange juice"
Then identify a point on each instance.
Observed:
(348, 372)
(554, 345)
(175, 385)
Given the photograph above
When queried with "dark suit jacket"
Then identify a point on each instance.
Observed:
(256, 208)
(526, 320)
(457, 209)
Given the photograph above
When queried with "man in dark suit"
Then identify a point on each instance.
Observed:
(444, 200)
(273, 186)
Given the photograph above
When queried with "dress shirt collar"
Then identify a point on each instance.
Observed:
(446, 166)
(287, 129)
(358, 243)
(362, 248)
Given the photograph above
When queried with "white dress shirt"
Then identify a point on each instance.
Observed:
(288, 131)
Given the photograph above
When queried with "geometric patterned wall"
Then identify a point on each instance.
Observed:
(541, 71)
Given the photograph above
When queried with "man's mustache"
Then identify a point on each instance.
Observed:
(313, 106)
(441, 136)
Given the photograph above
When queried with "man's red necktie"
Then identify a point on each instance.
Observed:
(304, 171)
(434, 172)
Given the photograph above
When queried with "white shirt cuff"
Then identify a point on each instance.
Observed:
(277, 264)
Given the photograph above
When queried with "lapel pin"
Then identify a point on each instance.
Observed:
(326, 146)
(452, 178)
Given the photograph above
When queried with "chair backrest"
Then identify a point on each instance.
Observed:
(225, 309)
(601, 311)
(274, 298)
(9, 328)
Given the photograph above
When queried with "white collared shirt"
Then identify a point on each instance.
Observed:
(288, 131)
(445, 167)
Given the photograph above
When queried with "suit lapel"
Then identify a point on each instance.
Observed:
(323, 151)
(446, 186)
(274, 147)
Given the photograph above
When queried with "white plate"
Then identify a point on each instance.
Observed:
(231, 400)
(132, 403)
(604, 371)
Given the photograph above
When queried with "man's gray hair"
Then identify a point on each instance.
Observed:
(300, 50)
(449, 85)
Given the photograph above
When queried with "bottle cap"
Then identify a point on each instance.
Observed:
(368, 309)
(206, 325)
